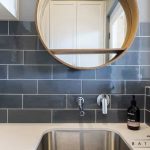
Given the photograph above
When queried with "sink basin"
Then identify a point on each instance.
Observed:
(82, 140)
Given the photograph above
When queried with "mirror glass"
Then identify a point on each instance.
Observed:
(86, 26)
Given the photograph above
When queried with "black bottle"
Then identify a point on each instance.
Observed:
(133, 116)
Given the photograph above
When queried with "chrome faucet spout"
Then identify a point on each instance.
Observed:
(80, 102)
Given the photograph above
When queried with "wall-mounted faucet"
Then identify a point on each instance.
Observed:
(80, 102)
(103, 100)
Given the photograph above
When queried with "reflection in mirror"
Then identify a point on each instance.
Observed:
(82, 26)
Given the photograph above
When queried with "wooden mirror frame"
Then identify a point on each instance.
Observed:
(132, 15)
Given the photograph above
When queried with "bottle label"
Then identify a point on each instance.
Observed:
(131, 114)
(133, 124)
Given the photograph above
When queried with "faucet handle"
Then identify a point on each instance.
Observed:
(80, 101)
(104, 100)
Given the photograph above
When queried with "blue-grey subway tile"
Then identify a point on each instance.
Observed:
(115, 116)
(145, 29)
(63, 72)
(30, 72)
(29, 116)
(10, 101)
(145, 72)
(59, 87)
(44, 101)
(18, 87)
(118, 73)
(129, 58)
(105, 87)
(3, 72)
(3, 116)
(41, 46)
(140, 44)
(3, 27)
(148, 103)
(148, 91)
(136, 87)
(22, 28)
(147, 117)
(124, 101)
(38, 57)
(144, 58)
(90, 101)
(73, 116)
(20, 42)
(11, 57)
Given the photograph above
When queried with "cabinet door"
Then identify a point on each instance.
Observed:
(90, 30)
(62, 24)
(63, 28)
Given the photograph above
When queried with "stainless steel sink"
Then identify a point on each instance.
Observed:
(82, 140)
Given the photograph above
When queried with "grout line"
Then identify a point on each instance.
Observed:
(142, 36)
(48, 79)
(17, 35)
(98, 80)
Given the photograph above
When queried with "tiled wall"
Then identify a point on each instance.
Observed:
(36, 88)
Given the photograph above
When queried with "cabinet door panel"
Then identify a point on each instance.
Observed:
(90, 24)
(90, 31)
(62, 25)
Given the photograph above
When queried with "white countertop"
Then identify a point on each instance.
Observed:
(28, 136)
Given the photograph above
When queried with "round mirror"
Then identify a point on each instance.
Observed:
(87, 34)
